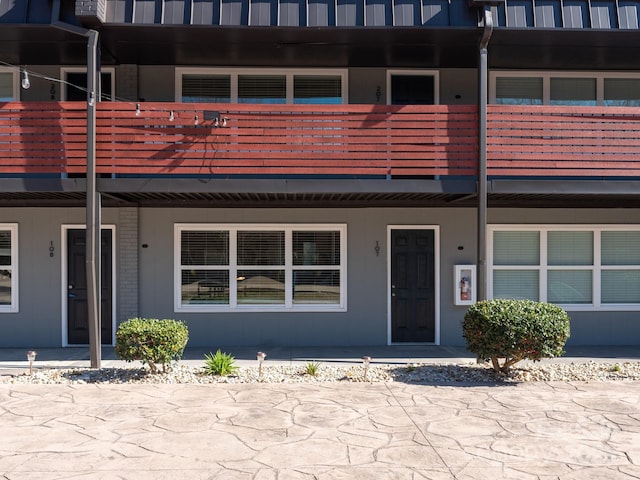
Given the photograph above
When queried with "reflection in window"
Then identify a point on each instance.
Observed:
(265, 266)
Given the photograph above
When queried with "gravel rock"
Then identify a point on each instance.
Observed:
(412, 373)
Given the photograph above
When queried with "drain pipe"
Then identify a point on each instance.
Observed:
(93, 228)
(482, 151)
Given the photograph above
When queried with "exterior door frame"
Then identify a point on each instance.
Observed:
(65, 282)
(436, 274)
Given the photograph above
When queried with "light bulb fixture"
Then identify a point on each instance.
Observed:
(195, 121)
(216, 123)
(171, 116)
(137, 109)
(25, 80)
(224, 121)
(92, 99)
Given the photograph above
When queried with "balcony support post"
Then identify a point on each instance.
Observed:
(93, 203)
(482, 153)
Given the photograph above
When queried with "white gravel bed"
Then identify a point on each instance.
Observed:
(412, 373)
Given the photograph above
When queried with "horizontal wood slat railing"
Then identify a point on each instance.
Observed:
(256, 140)
(563, 141)
(353, 140)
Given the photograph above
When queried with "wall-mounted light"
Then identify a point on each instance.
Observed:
(25, 80)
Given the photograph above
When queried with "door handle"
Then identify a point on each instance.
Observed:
(70, 287)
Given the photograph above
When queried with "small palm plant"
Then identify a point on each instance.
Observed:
(219, 364)
(312, 369)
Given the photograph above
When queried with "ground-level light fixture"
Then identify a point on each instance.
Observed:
(365, 362)
(31, 356)
(260, 356)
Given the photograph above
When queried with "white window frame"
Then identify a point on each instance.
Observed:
(288, 268)
(13, 306)
(65, 70)
(425, 73)
(546, 81)
(15, 93)
(543, 267)
(234, 73)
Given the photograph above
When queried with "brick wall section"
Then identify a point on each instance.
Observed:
(127, 83)
(91, 9)
(128, 264)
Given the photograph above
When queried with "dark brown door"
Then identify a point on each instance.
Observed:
(412, 286)
(77, 310)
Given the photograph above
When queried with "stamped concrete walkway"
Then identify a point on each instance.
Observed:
(326, 431)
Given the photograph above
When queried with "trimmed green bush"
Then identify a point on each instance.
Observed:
(515, 330)
(219, 364)
(151, 341)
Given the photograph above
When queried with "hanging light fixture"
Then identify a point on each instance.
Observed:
(25, 80)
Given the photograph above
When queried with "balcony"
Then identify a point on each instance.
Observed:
(386, 141)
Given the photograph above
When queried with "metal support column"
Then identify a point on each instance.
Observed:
(482, 152)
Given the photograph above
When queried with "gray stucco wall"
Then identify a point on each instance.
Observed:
(365, 321)
(146, 277)
(38, 323)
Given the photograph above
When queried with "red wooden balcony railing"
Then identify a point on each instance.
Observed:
(563, 141)
(247, 139)
(352, 140)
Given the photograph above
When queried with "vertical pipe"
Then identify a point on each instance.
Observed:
(93, 205)
(482, 153)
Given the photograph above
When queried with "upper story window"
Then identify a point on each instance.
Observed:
(8, 85)
(8, 268)
(588, 89)
(408, 87)
(75, 88)
(260, 86)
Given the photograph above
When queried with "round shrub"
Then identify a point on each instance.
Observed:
(515, 330)
(151, 341)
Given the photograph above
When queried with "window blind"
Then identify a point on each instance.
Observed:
(620, 248)
(205, 248)
(516, 248)
(519, 90)
(262, 89)
(521, 284)
(623, 92)
(573, 91)
(569, 286)
(317, 89)
(570, 248)
(206, 88)
(262, 248)
(6, 87)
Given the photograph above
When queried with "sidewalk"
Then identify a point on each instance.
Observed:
(329, 431)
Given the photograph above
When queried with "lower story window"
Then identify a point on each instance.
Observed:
(8, 268)
(577, 266)
(260, 267)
